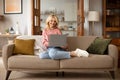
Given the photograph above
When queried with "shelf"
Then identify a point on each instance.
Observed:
(45, 14)
(68, 30)
(56, 12)
(113, 4)
(111, 22)
(10, 35)
(114, 11)
(60, 14)
(113, 7)
(63, 21)
(113, 15)
(112, 29)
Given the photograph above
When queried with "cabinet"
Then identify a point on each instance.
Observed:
(111, 22)
(45, 14)
(69, 32)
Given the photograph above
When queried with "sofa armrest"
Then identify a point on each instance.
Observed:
(7, 51)
(113, 52)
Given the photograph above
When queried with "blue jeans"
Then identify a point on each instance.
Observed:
(55, 53)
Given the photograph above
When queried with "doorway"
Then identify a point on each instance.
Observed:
(36, 22)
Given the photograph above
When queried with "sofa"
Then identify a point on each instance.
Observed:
(95, 62)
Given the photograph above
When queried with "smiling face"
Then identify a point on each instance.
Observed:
(52, 22)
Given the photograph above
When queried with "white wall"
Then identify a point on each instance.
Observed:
(11, 19)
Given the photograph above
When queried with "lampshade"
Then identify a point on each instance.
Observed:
(93, 16)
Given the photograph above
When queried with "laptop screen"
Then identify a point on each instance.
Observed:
(57, 40)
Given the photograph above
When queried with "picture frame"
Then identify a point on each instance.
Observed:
(12, 6)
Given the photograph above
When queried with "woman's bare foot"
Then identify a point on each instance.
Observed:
(73, 54)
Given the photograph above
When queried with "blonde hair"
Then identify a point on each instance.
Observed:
(49, 18)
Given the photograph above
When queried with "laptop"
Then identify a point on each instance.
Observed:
(57, 40)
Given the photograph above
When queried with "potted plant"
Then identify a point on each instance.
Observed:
(7, 31)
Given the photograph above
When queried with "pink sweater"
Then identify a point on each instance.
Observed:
(48, 32)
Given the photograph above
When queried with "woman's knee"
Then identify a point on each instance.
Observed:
(52, 53)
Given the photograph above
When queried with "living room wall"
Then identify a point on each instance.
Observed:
(10, 20)
(24, 18)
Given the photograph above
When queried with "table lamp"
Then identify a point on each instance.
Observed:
(93, 16)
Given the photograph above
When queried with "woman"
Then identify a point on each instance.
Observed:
(55, 52)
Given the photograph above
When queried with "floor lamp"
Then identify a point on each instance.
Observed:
(93, 16)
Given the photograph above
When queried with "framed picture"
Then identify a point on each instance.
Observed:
(12, 6)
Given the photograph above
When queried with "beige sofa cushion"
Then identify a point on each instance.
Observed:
(82, 42)
(91, 62)
(32, 62)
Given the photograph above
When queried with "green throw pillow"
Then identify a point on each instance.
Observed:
(99, 46)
